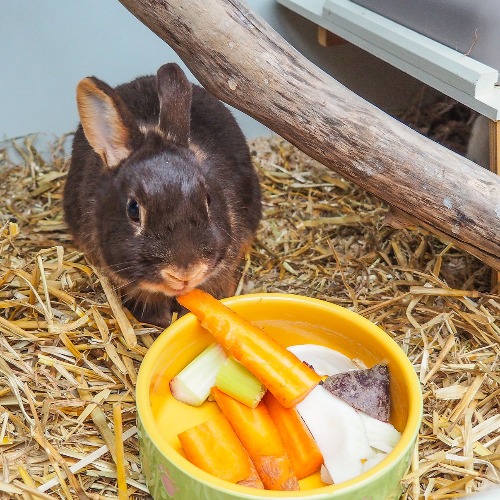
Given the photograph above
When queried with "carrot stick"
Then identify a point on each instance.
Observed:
(299, 444)
(261, 439)
(214, 447)
(278, 369)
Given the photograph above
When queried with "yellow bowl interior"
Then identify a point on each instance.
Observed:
(291, 320)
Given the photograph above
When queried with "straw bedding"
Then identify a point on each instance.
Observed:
(69, 355)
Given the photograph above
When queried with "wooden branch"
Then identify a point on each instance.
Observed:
(244, 62)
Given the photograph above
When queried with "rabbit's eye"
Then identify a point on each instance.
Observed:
(208, 200)
(133, 210)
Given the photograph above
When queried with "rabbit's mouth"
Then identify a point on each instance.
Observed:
(177, 281)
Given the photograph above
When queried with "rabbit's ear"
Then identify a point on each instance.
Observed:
(175, 93)
(108, 125)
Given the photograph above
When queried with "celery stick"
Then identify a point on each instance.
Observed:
(236, 381)
(193, 383)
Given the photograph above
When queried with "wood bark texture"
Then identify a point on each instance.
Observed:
(245, 63)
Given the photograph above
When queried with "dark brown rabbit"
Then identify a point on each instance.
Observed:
(161, 193)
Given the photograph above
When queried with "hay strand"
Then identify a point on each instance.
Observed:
(120, 453)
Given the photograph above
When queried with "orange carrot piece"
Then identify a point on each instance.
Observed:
(261, 439)
(299, 444)
(278, 369)
(214, 447)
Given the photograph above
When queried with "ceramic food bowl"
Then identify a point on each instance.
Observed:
(290, 319)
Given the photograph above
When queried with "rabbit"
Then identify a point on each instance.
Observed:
(161, 194)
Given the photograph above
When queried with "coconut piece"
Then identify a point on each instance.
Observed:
(339, 432)
(366, 390)
(382, 436)
(322, 359)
